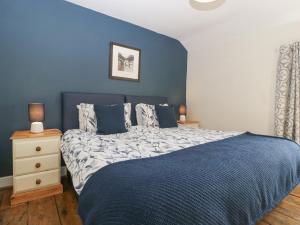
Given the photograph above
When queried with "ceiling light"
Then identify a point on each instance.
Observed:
(205, 1)
(206, 5)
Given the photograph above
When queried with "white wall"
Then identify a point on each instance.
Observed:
(232, 75)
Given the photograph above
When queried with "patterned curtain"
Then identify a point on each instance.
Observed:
(287, 108)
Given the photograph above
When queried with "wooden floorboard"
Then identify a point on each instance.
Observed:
(5, 198)
(292, 199)
(296, 192)
(262, 223)
(14, 216)
(62, 210)
(277, 218)
(67, 208)
(43, 212)
(289, 209)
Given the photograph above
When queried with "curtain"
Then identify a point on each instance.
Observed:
(287, 107)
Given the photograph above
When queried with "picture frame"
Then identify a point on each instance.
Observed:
(124, 62)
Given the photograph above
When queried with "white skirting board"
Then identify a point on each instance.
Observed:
(8, 181)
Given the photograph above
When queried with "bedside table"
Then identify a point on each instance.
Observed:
(190, 123)
(36, 165)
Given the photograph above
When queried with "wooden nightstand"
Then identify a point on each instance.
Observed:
(190, 123)
(36, 165)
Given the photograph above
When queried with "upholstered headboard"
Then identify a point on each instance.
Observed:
(146, 99)
(71, 99)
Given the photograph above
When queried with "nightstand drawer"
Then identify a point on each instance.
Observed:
(36, 164)
(35, 147)
(35, 181)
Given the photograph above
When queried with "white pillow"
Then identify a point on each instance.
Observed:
(127, 114)
(138, 110)
(146, 115)
(87, 118)
(149, 116)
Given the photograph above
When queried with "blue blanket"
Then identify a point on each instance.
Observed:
(229, 182)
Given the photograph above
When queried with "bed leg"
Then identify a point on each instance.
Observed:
(69, 178)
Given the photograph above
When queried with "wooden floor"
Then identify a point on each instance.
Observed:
(62, 210)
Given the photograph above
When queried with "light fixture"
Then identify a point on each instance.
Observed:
(205, 1)
(206, 5)
(36, 114)
(182, 113)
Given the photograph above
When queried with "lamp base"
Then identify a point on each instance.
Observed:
(37, 127)
(182, 118)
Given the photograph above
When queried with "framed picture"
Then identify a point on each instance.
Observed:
(124, 62)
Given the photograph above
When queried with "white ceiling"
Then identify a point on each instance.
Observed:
(182, 19)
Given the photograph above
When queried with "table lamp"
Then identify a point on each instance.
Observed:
(36, 114)
(182, 113)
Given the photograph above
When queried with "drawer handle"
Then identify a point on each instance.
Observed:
(38, 148)
(38, 181)
(37, 165)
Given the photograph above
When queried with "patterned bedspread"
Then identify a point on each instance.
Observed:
(85, 153)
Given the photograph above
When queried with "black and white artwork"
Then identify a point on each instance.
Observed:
(124, 62)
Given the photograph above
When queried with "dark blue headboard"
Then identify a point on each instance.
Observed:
(71, 99)
(146, 99)
(143, 99)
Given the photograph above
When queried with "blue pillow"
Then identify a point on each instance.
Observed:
(166, 116)
(110, 119)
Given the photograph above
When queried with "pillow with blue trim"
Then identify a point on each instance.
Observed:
(110, 119)
(166, 116)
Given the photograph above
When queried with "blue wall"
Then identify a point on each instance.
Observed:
(51, 46)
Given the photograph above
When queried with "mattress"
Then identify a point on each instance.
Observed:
(86, 153)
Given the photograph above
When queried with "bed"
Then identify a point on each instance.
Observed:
(176, 175)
